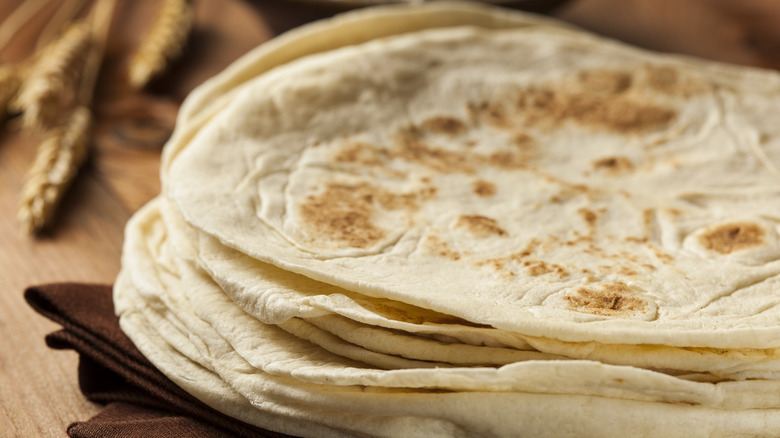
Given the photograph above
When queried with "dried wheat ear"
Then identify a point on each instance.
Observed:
(10, 80)
(164, 42)
(56, 164)
(54, 77)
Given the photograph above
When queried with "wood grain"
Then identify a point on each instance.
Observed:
(39, 393)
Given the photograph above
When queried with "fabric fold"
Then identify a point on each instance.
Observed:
(140, 401)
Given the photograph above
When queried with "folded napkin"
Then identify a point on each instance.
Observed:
(139, 400)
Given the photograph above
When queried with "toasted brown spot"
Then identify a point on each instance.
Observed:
(662, 78)
(361, 153)
(441, 248)
(669, 81)
(568, 191)
(608, 299)
(484, 188)
(343, 212)
(409, 146)
(733, 237)
(538, 267)
(605, 82)
(480, 226)
(507, 160)
(648, 221)
(614, 165)
(660, 254)
(589, 216)
(617, 113)
(523, 140)
(492, 113)
(445, 125)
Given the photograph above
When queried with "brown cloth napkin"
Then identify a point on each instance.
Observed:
(139, 400)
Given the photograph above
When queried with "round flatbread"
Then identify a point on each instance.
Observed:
(581, 190)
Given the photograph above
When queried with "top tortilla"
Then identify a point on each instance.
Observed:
(545, 182)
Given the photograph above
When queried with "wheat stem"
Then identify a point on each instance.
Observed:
(10, 81)
(56, 163)
(101, 25)
(53, 77)
(164, 42)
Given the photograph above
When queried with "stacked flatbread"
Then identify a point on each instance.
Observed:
(455, 220)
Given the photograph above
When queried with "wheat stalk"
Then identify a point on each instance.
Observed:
(56, 163)
(54, 76)
(163, 42)
(9, 86)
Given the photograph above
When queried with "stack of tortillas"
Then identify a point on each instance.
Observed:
(457, 220)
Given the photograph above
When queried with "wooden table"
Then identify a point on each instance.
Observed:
(39, 393)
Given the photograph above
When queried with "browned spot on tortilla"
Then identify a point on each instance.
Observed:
(662, 78)
(539, 267)
(484, 188)
(660, 254)
(507, 160)
(589, 216)
(343, 212)
(607, 299)
(479, 226)
(519, 257)
(445, 125)
(412, 314)
(361, 153)
(441, 248)
(497, 264)
(605, 81)
(523, 140)
(733, 237)
(617, 113)
(409, 146)
(648, 220)
(670, 81)
(492, 113)
(614, 165)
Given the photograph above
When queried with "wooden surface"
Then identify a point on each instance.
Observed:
(39, 393)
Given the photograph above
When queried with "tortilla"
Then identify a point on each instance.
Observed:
(273, 296)
(192, 302)
(353, 210)
(173, 327)
(444, 415)
(660, 228)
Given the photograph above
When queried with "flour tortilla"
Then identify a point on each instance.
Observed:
(186, 324)
(277, 406)
(274, 296)
(340, 31)
(193, 304)
(166, 337)
(649, 249)
(172, 326)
